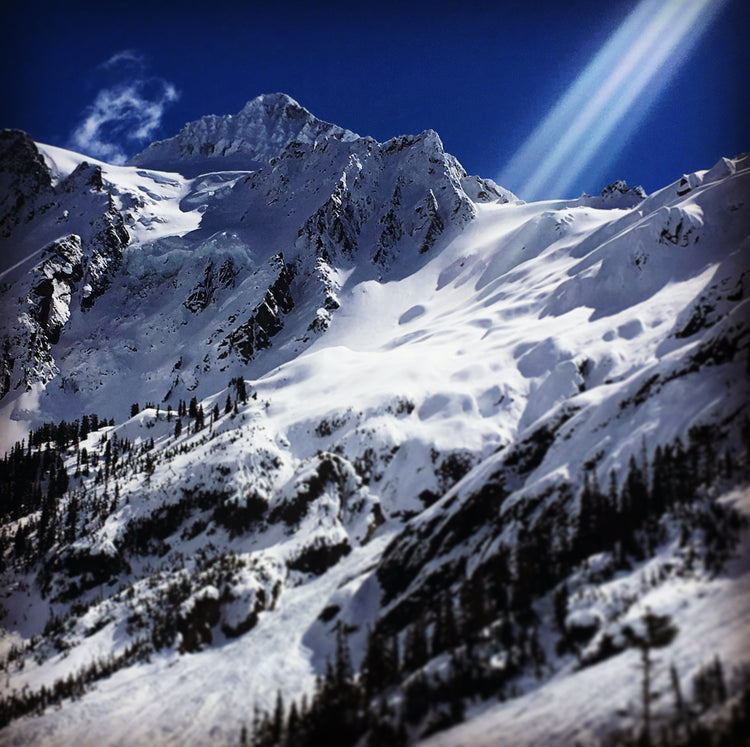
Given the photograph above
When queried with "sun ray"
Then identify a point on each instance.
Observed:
(609, 98)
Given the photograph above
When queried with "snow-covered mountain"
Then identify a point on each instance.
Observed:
(249, 139)
(276, 395)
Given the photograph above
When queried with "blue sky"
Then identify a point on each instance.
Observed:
(483, 74)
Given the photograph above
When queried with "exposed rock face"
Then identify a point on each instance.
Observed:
(59, 273)
(404, 192)
(41, 316)
(267, 318)
(617, 195)
(390, 235)
(25, 180)
(335, 226)
(72, 271)
(213, 280)
(620, 187)
(105, 247)
(432, 224)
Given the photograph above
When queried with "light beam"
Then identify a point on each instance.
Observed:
(609, 98)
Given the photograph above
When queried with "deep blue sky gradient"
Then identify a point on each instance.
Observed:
(482, 74)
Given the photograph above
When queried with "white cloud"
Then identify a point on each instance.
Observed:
(125, 113)
(124, 57)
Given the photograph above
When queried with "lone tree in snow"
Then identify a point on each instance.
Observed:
(656, 631)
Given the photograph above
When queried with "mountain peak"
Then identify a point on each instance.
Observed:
(275, 104)
(244, 141)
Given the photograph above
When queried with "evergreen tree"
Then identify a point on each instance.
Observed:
(277, 723)
(256, 722)
(450, 627)
(709, 687)
(683, 713)
(637, 492)
(343, 666)
(292, 726)
(560, 605)
(476, 607)
(659, 499)
(239, 384)
(372, 670)
(61, 482)
(149, 467)
(71, 522)
(416, 653)
(585, 533)
(658, 631)
(417, 698)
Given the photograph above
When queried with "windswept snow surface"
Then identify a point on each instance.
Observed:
(401, 328)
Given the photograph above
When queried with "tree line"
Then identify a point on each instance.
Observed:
(487, 625)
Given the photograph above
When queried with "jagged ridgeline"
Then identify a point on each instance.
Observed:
(381, 453)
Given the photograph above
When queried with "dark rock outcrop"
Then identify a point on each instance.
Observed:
(25, 180)
(267, 317)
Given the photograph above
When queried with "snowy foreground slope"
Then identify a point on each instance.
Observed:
(291, 411)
